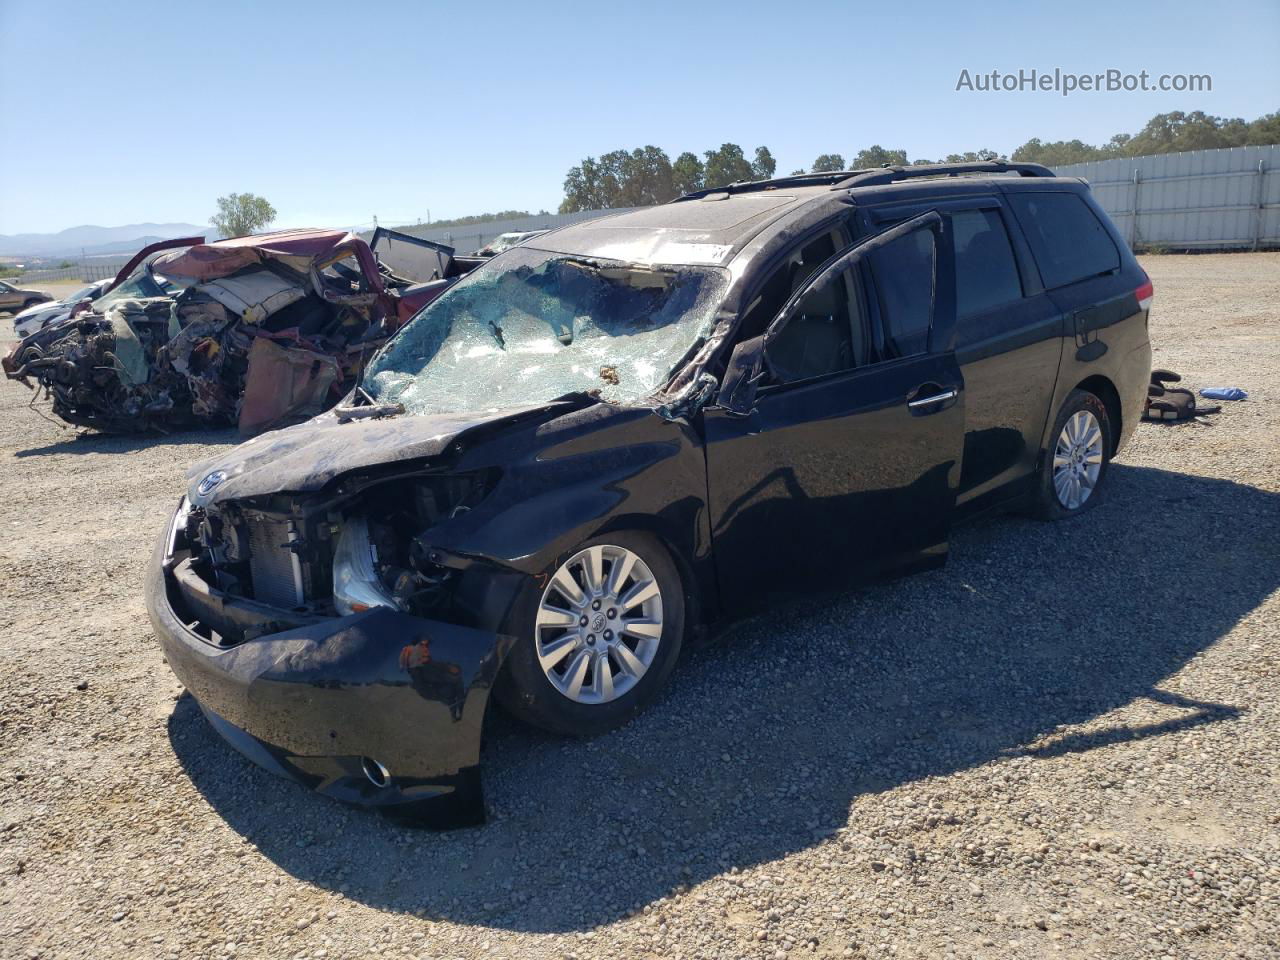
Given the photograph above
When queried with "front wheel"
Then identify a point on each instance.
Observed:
(1075, 465)
(596, 636)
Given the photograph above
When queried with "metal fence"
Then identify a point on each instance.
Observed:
(467, 239)
(79, 273)
(1201, 200)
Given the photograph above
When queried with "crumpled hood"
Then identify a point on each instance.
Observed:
(306, 457)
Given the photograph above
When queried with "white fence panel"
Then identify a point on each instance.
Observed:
(1204, 199)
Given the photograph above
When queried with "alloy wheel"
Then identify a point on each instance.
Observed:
(1077, 459)
(599, 624)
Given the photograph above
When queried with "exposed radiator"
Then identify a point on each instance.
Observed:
(274, 569)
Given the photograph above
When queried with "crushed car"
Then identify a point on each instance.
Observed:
(635, 429)
(258, 331)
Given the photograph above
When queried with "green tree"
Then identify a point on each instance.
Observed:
(592, 184)
(725, 166)
(1264, 130)
(240, 214)
(828, 163)
(763, 165)
(1057, 152)
(687, 173)
(645, 177)
(972, 156)
(878, 156)
(1177, 131)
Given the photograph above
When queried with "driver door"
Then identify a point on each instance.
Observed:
(833, 451)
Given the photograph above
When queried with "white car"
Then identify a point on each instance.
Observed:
(41, 315)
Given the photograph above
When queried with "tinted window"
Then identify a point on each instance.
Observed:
(827, 335)
(1068, 240)
(986, 274)
(904, 272)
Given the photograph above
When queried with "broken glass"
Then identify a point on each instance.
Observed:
(532, 326)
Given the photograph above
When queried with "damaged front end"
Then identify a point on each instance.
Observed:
(329, 642)
(261, 332)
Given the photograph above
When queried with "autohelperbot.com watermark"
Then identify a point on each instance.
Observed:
(1065, 82)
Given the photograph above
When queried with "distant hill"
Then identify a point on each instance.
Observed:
(94, 240)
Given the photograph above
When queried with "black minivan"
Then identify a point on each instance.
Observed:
(636, 428)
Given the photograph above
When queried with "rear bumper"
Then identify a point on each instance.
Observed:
(1132, 381)
(315, 702)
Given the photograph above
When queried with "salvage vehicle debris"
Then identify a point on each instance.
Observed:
(261, 331)
(646, 423)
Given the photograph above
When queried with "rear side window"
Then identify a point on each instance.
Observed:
(904, 272)
(986, 274)
(1068, 240)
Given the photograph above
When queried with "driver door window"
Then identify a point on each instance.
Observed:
(827, 335)
(904, 272)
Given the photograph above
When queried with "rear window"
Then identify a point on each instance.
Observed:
(986, 275)
(1068, 240)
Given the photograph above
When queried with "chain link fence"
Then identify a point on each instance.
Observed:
(78, 273)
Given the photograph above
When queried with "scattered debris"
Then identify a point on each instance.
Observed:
(1166, 403)
(1223, 393)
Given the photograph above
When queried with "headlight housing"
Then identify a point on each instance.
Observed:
(177, 526)
(356, 585)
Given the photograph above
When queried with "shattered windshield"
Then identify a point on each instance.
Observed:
(532, 326)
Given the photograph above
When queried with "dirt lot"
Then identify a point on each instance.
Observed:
(1065, 743)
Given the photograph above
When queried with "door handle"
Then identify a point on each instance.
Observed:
(924, 403)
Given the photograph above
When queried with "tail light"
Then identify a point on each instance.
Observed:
(1144, 294)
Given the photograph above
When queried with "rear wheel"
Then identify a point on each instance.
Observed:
(27, 305)
(1075, 465)
(596, 636)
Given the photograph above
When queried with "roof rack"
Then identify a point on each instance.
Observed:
(872, 178)
(755, 186)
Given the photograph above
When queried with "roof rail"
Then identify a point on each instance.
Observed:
(872, 178)
(754, 186)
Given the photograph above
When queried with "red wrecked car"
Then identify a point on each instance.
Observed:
(261, 331)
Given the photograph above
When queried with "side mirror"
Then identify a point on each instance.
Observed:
(738, 388)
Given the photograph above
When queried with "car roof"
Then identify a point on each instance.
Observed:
(713, 226)
(697, 230)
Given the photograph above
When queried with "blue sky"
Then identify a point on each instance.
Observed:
(137, 111)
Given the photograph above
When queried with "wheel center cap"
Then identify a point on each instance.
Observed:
(597, 623)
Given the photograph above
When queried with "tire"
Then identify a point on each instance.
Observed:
(1067, 485)
(545, 697)
(31, 303)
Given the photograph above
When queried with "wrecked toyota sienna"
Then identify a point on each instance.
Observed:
(629, 431)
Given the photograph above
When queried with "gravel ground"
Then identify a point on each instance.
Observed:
(1064, 743)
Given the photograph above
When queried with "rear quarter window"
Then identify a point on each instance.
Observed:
(1068, 240)
(986, 274)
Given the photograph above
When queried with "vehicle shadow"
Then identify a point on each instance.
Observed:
(769, 735)
(117, 443)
